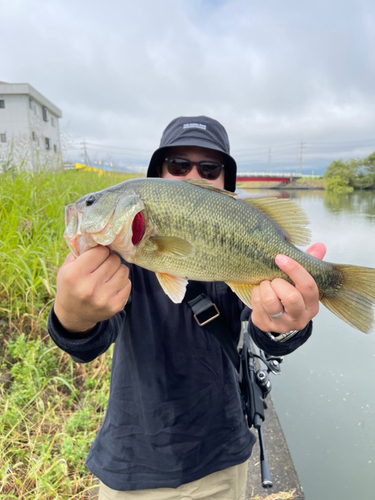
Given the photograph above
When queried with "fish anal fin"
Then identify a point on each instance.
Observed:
(207, 185)
(171, 246)
(243, 291)
(287, 215)
(173, 286)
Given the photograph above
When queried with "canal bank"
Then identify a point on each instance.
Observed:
(294, 184)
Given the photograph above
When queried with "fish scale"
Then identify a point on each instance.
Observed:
(227, 252)
(223, 249)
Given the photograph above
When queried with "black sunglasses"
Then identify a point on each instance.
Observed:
(209, 170)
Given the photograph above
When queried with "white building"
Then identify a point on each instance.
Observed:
(29, 127)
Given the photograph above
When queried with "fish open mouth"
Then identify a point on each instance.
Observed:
(77, 241)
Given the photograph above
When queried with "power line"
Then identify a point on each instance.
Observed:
(344, 142)
(114, 147)
(324, 144)
(281, 153)
(102, 150)
(266, 147)
(254, 150)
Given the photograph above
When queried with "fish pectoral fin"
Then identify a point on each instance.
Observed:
(173, 286)
(172, 246)
(243, 291)
(207, 185)
(286, 214)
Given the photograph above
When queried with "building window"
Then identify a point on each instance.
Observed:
(34, 136)
(2, 103)
(47, 142)
(3, 137)
(45, 113)
(52, 121)
(31, 103)
(55, 148)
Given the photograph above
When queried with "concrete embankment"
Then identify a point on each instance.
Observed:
(286, 484)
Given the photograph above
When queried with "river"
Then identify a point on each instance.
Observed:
(324, 398)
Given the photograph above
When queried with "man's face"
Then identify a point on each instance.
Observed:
(194, 154)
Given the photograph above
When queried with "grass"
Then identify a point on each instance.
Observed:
(31, 244)
(50, 407)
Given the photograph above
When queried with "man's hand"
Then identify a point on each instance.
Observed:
(91, 288)
(299, 303)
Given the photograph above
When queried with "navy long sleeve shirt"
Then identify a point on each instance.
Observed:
(174, 413)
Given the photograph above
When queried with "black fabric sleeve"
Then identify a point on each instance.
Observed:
(84, 350)
(269, 346)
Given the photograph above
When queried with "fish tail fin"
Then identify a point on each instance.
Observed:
(354, 299)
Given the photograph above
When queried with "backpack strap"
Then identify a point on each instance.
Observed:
(207, 315)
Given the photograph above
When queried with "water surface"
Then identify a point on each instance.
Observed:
(325, 397)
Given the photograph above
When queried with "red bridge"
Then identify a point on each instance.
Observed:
(267, 177)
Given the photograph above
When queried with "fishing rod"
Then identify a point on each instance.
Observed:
(255, 387)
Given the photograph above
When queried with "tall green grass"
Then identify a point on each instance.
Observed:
(31, 243)
(50, 407)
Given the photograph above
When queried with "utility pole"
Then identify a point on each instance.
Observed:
(86, 156)
(300, 157)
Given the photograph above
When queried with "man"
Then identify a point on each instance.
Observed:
(174, 427)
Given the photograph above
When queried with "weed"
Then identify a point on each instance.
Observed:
(50, 407)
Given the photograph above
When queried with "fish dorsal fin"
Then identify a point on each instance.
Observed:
(173, 286)
(207, 185)
(287, 215)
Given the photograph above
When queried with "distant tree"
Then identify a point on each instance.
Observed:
(345, 175)
(369, 162)
(344, 169)
(366, 174)
(338, 185)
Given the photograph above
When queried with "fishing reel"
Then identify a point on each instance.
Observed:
(262, 375)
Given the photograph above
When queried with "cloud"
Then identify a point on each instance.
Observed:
(272, 72)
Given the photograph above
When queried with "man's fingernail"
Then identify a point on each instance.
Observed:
(282, 260)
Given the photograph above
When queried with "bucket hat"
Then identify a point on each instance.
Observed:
(200, 131)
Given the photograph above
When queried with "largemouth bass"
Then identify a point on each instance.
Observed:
(188, 229)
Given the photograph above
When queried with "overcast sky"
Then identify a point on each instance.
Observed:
(275, 73)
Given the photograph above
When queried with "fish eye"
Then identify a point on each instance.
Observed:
(90, 200)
